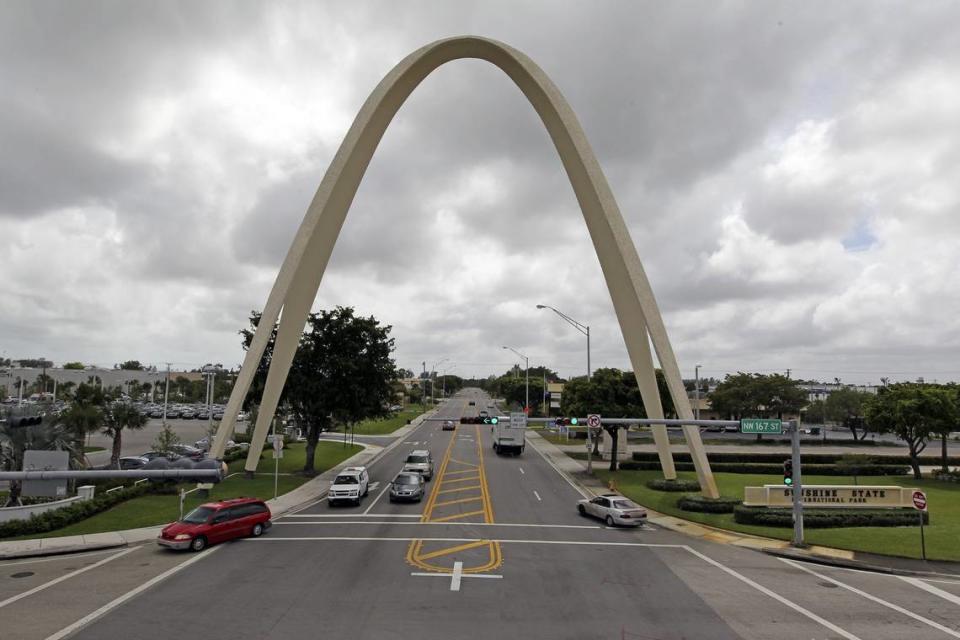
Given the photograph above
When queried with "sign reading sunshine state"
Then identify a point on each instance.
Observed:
(831, 496)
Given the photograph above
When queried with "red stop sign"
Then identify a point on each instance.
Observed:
(919, 501)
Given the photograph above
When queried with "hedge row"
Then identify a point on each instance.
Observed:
(824, 518)
(59, 518)
(808, 458)
(697, 503)
(680, 484)
(774, 469)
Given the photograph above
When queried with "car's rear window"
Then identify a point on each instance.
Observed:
(417, 459)
(407, 479)
(623, 504)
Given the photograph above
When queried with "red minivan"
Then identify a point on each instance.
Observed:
(217, 522)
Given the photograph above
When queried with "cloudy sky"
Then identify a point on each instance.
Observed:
(789, 171)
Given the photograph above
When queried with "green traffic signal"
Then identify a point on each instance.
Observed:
(494, 420)
(788, 481)
(573, 421)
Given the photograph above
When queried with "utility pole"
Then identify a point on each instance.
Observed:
(166, 393)
(423, 386)
(696, 388)
(527, 365)
(797, 486)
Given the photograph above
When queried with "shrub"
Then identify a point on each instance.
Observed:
(700, 504)
(829, 518)
(774, 469)
(661, 484)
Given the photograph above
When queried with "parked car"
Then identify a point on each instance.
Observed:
(217, 522)
(187, 451)
(407, 486)
(156, 413)
(189, 414)
(449, 425)
(350, 485)
(613, 509)
(132, 462)
(420, 461)
(169, 455)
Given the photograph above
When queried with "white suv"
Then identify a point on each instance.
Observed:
(350, 485)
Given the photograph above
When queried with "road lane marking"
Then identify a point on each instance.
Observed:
(466, 464)
(116, 602)
(59, 557)
(461, 500)
(351, 515)
(539, 499)
(458, 489)
(776, 596)
(592, 527)
(929, 588)
(457, 574)
(457, 516)
(46, 585)
(446, 552)
(457, 473)
(375, 500)
(521, 470)
(442, 482)
(562, 473)
(873, 598)
(579, 543)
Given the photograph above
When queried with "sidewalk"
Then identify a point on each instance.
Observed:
(576, 473)
(310, 491)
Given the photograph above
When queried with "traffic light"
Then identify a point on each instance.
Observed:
(563, 422)
(788, 471)
(491, 420)
(26, 421)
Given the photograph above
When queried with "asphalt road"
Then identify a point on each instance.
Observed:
(496, 550)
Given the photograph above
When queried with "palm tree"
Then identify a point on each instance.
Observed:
(14, 441)
(118, 416)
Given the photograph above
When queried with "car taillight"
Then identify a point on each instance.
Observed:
(626, 515)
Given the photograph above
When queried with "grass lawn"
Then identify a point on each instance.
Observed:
(555, 438)
(942, 535)
(93, 449)
(152, 510)
(385, 426)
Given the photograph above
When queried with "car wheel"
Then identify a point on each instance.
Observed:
(257, 530)
(198, 544)
(609, 521)
(582, 509)
(330, 503)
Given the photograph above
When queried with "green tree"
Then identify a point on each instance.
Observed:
(15, 441)
(85, 414)
(341, 374)
(117, 417)
(846, 407)
(165, 439)
(815, 412)
(260, 378)
(74, 365)
(131, 365)
(913, 412)
(754, 395)
(34, 363)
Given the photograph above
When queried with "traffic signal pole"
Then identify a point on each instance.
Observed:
(797, 485)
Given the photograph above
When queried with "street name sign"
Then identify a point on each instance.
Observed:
(761, 425)
(518, 421)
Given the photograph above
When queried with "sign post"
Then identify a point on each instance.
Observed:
(593, 422)
(277, 454)
(797, 486)
(920, 504)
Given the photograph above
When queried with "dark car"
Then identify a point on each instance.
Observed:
(150, 455)
(187, 451)
(217, 522)
(407, 486)
(132, 462)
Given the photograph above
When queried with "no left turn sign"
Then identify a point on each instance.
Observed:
(593, 420)
(919, 501)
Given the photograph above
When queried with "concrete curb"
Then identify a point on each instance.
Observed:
(310, 491)
(576, 472)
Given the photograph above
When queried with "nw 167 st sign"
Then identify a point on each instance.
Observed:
(761, 425)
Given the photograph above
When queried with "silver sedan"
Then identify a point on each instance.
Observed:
(613, 509)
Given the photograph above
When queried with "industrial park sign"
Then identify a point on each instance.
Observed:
(831, 496)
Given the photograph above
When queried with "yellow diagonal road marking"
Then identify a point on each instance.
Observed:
(449, 502)
(466, 464)
(457, 473)
(457, 516)
(476, 486)
(458, 480)
(446, 552)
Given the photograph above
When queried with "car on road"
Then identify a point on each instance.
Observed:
(407, 486)
(472, 403)
(613, 509)
(449, 425)
(169, 455)
(420, 461)
(187, 451)
(350, 485)
(215, 522)
(132, 462)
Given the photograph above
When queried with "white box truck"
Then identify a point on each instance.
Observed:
(509, 436)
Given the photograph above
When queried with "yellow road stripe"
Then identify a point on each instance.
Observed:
(458, 489)
(449, 502)
(457, 516)
(439, 482)
(446, 552)
(466, 464)
(488, 507)
(457, 473)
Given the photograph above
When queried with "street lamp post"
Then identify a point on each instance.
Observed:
(579, 326)
(696, 388)
(527, 367)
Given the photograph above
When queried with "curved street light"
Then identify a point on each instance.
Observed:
(579, 326)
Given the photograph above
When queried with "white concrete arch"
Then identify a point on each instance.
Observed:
(299, 279)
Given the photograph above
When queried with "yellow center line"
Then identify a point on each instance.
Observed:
(449, 502)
